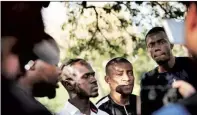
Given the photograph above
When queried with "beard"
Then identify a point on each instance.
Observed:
(44, 89)
(162, 60)
(124, 90)
(82, 93)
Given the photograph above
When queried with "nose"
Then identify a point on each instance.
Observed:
(93, 79)
(157, 47)
(126, 77)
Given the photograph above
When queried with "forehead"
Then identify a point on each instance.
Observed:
(156, 36)
(122, 66)
(78, 69)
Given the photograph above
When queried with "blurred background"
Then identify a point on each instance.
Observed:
(99, 31)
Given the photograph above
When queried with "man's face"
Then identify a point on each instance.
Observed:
(47, 76)
(159, 47)
(85, 83)
(121, 78)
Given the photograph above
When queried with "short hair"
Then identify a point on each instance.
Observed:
(153, 31)
(115, 61)
(72, 62)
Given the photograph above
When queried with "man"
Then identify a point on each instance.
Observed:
(78, 78)
(40, 81)
(24, 39)
(120, 101)
(187, 106)
(156, 85)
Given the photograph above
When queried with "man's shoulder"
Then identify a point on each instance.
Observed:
(102, 101)
(101, 112)
(67, 109)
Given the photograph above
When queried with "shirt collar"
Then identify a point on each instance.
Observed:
(74, 110)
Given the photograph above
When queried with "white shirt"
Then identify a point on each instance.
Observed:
(70, 109)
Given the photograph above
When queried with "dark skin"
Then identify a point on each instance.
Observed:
(121, 81)
(81, 84)
(41, 74)
(160, 48)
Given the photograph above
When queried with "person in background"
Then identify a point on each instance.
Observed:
(120, 101)
(78, 78)
(156, 85)
(189, 104)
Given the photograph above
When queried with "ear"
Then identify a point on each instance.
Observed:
(68, 84)
(107, 79)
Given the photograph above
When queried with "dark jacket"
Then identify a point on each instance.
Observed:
(156, 89)
(109, 106)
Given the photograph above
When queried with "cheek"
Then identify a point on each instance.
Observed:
(114, 82)
(84, 85)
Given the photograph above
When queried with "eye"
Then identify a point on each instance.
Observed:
(119, 74)
(85, 76)
(162, 42)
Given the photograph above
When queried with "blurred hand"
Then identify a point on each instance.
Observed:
(191, 29)
(184, 88)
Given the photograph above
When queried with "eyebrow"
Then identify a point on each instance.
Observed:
(156, 40)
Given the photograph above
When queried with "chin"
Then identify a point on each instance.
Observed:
(43, 90)
(94, 95)
(126, 93)
(162, 61)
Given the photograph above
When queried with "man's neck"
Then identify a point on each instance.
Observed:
(83, 106)
(119, 99)
(26, 84)
(167, 66)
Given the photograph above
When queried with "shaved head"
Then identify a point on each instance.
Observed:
(113, 63)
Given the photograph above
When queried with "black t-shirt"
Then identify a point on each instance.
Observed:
(17, 101)
(156, 89)
(109, 106)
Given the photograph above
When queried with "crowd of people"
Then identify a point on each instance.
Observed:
(29, 69)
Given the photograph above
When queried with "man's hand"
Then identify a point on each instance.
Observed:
(191, 29)
(184, 88)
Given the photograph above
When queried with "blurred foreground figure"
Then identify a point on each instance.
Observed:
(187, 106)
(27, 69)
(78, 78)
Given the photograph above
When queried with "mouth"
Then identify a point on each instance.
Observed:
(159, 54)
(95, 87)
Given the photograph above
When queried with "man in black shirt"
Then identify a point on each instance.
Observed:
(156, 85)
(120, 101)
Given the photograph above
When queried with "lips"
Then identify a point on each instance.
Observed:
(159, 54)
(95, 87)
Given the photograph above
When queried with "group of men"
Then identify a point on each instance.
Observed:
(29, 70)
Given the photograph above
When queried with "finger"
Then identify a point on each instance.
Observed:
(177, 84)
